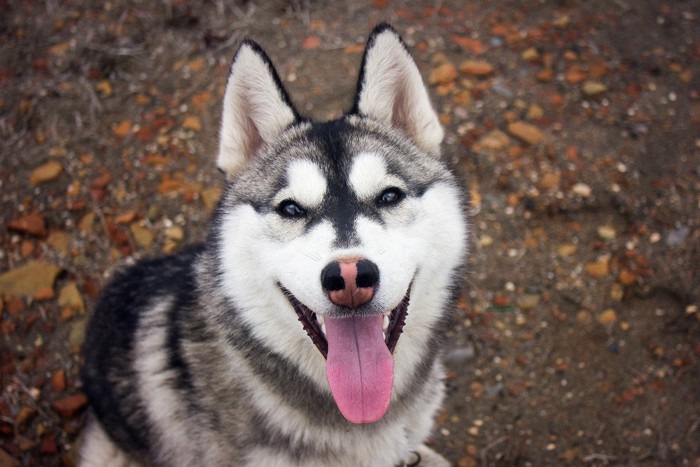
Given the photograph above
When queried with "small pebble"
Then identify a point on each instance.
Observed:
(606, 232)
(581, 189)
(607, 317)
(591, 88)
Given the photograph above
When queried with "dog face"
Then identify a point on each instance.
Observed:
(339, 240)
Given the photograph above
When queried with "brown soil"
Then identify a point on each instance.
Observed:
(578, 338)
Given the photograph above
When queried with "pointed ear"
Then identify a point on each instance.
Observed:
(390, 89)
(256, 108)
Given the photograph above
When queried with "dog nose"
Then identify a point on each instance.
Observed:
(350, 283)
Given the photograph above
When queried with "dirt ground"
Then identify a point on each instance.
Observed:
(576, 126)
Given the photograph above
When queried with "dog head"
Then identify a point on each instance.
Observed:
(338, 242)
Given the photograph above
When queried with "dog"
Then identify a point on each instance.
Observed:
(306, 328)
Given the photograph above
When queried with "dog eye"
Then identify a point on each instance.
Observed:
(290, 209)
(390, 197)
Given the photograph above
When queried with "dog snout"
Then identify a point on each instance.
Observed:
(350, 283)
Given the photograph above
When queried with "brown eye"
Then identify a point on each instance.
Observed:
(290, 209)
(390, 197)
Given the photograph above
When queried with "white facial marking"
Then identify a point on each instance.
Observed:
(306, 184)
(368, 176)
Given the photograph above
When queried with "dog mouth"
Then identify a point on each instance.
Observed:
(314, 324)
(358, 351)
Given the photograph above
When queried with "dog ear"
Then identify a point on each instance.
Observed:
(391, 90)
(256, 108)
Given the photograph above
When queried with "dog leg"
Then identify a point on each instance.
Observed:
(98, 450)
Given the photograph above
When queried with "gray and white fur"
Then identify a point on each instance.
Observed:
(227, 353)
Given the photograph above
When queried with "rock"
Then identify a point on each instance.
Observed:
(26, 280)
(485, 240)
(617, 292)
(192, 122)
(443, 74)
(582, 190)
(59, 240)
(66, 314)
(535, 112)
(45, 173)
(493, 140)
(607, 317)
(566, 249)
(460, 355)
(26, 248)
(528, 301)
(174, 233)
(59, 50)
(549, 181)
(126, 218)
(583, 317)
(44, 294)
(70, 406)
(606, 232)
(592, 88)
(69, 297)
(474, 46)
(24, 416)
(32, 224)
(142, 235)
(502, 90)
(599, 268)
(575, 75)
(530, 55)
(627, 277)
(122, 129)
(467, 461)
(476, 68)
(58, 381)
(77, 335)
(463, 98)
(15, 306)
(545, 76)
(525, 132)
(85, 224)
(104, 87)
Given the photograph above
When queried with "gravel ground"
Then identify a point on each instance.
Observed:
(576, 126)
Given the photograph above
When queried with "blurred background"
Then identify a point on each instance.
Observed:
(575, 125)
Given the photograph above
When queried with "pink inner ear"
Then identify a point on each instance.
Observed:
(393, 91)
(256, 108)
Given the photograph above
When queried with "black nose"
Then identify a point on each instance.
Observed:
(350, 282)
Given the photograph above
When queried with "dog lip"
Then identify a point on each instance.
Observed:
(308, 319)
(397, 320)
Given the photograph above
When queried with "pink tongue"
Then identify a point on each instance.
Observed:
(359, 367)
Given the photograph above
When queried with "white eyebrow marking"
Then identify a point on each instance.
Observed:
(368, 175)
(305, 184)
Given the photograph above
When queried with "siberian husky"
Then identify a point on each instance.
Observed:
(306, 330)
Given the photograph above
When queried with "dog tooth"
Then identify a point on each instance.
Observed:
(384, 335)
(319, 318)
(385, 323)
(323, 328)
